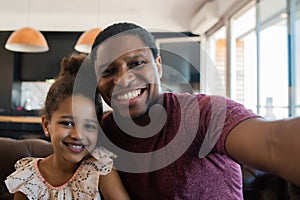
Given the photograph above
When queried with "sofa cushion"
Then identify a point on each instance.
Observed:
(12, 150)
(259, 185)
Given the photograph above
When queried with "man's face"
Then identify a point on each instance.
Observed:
(128, 75)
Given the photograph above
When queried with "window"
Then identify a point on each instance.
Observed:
(297, 56)
(244, 57)
(273, 59)
(262, 43)
(259, 58)
(215, 64)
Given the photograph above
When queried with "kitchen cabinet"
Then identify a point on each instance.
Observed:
(16, 68)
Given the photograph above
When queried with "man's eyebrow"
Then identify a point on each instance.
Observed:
(103, 65)
(128, 58)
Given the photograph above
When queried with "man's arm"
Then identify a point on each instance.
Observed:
(272, 146)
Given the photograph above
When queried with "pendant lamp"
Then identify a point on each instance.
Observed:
(27, 40)
(86, 40)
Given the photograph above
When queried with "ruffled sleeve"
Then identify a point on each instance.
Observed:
(101, 160)
(23, 163)
(24, 175)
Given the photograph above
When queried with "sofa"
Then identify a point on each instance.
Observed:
(12, 150)
(257, 185)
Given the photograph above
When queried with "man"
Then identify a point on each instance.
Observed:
(181, 146)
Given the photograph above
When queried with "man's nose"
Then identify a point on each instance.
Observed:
(124, 76)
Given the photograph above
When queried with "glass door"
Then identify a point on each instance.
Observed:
(273, 59)
(244, 56)
(297, 54)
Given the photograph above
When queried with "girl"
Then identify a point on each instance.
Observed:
(77, 169)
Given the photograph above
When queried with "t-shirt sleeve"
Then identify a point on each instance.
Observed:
(218, 116)
(235, 113)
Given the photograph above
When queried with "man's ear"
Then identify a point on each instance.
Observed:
(159, 66)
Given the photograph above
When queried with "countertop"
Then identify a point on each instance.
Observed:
(20, 119)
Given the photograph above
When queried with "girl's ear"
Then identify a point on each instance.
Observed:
(45, 124)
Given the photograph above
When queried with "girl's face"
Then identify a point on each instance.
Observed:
(73, 128)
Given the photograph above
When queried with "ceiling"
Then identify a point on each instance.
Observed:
(80, 15)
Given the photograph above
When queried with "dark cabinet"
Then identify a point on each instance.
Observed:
(18, 67)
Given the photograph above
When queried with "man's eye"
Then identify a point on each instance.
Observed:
(135, 64)
(108, 71)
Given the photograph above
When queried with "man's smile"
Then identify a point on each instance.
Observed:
(129, 95)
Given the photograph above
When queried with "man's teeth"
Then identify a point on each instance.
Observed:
(129, 95)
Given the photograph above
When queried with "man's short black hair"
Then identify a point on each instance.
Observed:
(127, 29)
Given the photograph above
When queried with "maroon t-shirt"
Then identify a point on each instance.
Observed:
(190, 160)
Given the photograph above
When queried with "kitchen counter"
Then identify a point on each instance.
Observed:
(20, 119)
(21, 127)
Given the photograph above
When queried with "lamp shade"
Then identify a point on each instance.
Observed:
(27, 40)
(85, 41)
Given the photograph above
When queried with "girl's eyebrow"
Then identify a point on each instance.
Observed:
(67, 117)
(72, 118)
(92, 120)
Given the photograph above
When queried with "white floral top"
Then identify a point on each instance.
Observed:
(83, 184)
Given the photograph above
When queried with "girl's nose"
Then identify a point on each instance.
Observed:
(75, 133)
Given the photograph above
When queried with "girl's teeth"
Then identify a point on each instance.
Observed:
(76, 146)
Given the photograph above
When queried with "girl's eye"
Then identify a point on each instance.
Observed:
(135, 64)
(67, 123)
(90, 127)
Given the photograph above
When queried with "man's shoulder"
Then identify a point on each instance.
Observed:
(186, 97)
